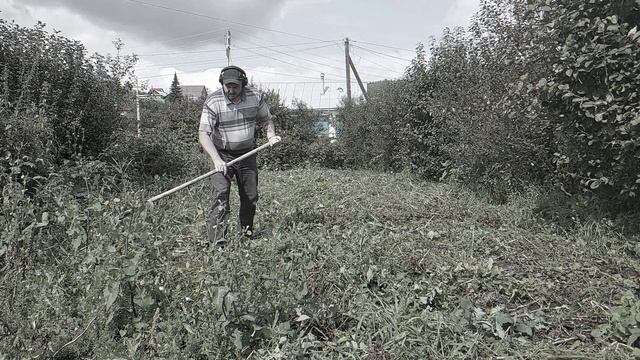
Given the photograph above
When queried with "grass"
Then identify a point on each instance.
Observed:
(361, 265)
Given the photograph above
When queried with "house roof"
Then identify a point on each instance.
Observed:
(157, 92)
(193, 91)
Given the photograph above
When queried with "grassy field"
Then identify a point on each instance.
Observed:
(347, 265)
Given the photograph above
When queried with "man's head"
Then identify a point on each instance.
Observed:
(233, 79)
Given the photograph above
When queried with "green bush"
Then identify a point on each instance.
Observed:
(49, 75)
(593, 95)
(168, 144)
(583, 91)
(27, 151)
(155, 153)
(376, 134)
(295, 126)
(325, 153)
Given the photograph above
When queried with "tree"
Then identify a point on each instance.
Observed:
(175, 93)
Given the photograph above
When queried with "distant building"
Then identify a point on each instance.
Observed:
(157, 94)
(324, 126)
(194, 92)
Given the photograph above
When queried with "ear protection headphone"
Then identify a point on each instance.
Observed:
(243, 75)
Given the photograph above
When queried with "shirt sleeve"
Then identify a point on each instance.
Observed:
(263, 114)
(208, 118)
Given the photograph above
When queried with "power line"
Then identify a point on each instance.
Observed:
(239, 23)
(301, 82)
(173, 64)
(222, 50)
(195, 35)
(214, 60)
(263, 28)
(180, 53)
(260, 71)
(294, 76)
(384, 46)
(298, 57)
(337, 42)
(264, 47)
(311, 61)
(383, 67)
(190, 36)
(288, 63)
(220, 19)
(383, 54)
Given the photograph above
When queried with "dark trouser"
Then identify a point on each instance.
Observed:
(246, 174)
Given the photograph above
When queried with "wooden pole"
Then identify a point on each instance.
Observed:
(346, 63)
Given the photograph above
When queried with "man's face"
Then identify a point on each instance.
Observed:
(232, 90)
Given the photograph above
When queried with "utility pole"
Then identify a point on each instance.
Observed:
(349, 65)
(228, 48)
(138, 121)
(348, 70)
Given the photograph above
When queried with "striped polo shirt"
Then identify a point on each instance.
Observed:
(232, 126)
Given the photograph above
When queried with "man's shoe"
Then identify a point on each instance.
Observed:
(248, 234)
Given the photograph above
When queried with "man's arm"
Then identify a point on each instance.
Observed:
(264, 117)
(271, 132)
(270, 129)
(207, 145)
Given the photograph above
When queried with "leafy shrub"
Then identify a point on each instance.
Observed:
(297, 132)
(590, 96)
(536, 92)
(181, 115)
(27, 150)
(375, 134)
(168, 144)
(325, 153)
(81, 96)
(489, 139)
(156, 153)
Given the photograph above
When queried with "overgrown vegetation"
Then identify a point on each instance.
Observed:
(535, 92)
(404, 269)
(530, 116)
(302, 146)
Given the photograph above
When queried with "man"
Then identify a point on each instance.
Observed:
(227, 131)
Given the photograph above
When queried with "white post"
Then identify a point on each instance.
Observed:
(228, 46)
(138, 109)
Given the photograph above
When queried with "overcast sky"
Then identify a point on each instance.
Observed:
(282, 44)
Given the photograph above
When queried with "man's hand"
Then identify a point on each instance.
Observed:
(221, 166)
(274, 140)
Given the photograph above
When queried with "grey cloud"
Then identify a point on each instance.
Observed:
(174, 28)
